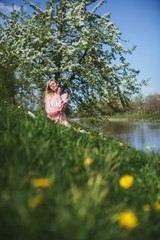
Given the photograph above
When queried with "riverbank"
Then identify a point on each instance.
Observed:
(139, 118)
(59, 183)
(138, 134)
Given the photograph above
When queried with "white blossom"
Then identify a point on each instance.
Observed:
(47, 43)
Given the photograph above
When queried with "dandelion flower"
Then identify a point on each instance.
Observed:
(126, 181)
(91, 137)
(153, 146)
(157, 206)
(5, 101)
(88, 161)
(35, 201)
(121, 144)
(41, 182)
(78, 129)
(147, 147)
(100, 134)
(127, 219)
(89, 132)
(19, 106)
(146, 208)
(104, 138)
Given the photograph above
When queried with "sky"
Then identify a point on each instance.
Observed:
(139, 22)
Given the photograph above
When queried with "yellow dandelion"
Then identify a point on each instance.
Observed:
(35, 201)
(5, 101)
(146, 208)
(88, 161)
(121, 144)
(19, 106)
(104, 138)
(91, 137)
(100, 134)
(78, 129)
(41, 182)
(128, 219)
(157, 206)
(153, 146)
(89, 132)
(126, 181)
(147, 147)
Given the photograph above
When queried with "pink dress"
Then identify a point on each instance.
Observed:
(54, 107)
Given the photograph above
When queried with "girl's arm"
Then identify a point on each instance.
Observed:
(54, 104)
(50, 110)
(60, 99)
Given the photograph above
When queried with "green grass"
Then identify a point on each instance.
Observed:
(153, 116)
(82, 201)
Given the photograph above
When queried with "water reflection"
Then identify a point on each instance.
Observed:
(136, 134)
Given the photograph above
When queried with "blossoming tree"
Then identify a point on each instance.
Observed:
(79, 48)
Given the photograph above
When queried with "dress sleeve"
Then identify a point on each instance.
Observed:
(64, 98)
(53, 105)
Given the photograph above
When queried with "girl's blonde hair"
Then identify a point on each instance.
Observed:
(48, 89)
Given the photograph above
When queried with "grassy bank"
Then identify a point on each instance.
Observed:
(143, 117)
(58, 183)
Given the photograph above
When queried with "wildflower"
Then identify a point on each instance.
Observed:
(89, 132)
(91, 137)
(78, 129)
(5, 101)
(157, 206)
(31, 114)
(100, 134)
(153, 146)
(88, 161)
(41, 182)
(127, 219)
(35, 201)
(147, 208)
(126, 181)
(147, 147)
(121, 144)
(104, 138)
(19, 106)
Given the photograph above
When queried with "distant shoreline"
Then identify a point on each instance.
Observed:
(132, 120)
(126, 118)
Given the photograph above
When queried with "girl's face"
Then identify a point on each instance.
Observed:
(53, 86)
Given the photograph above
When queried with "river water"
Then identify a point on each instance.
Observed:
(136, 134)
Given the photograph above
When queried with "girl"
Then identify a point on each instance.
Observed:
(55, 103)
